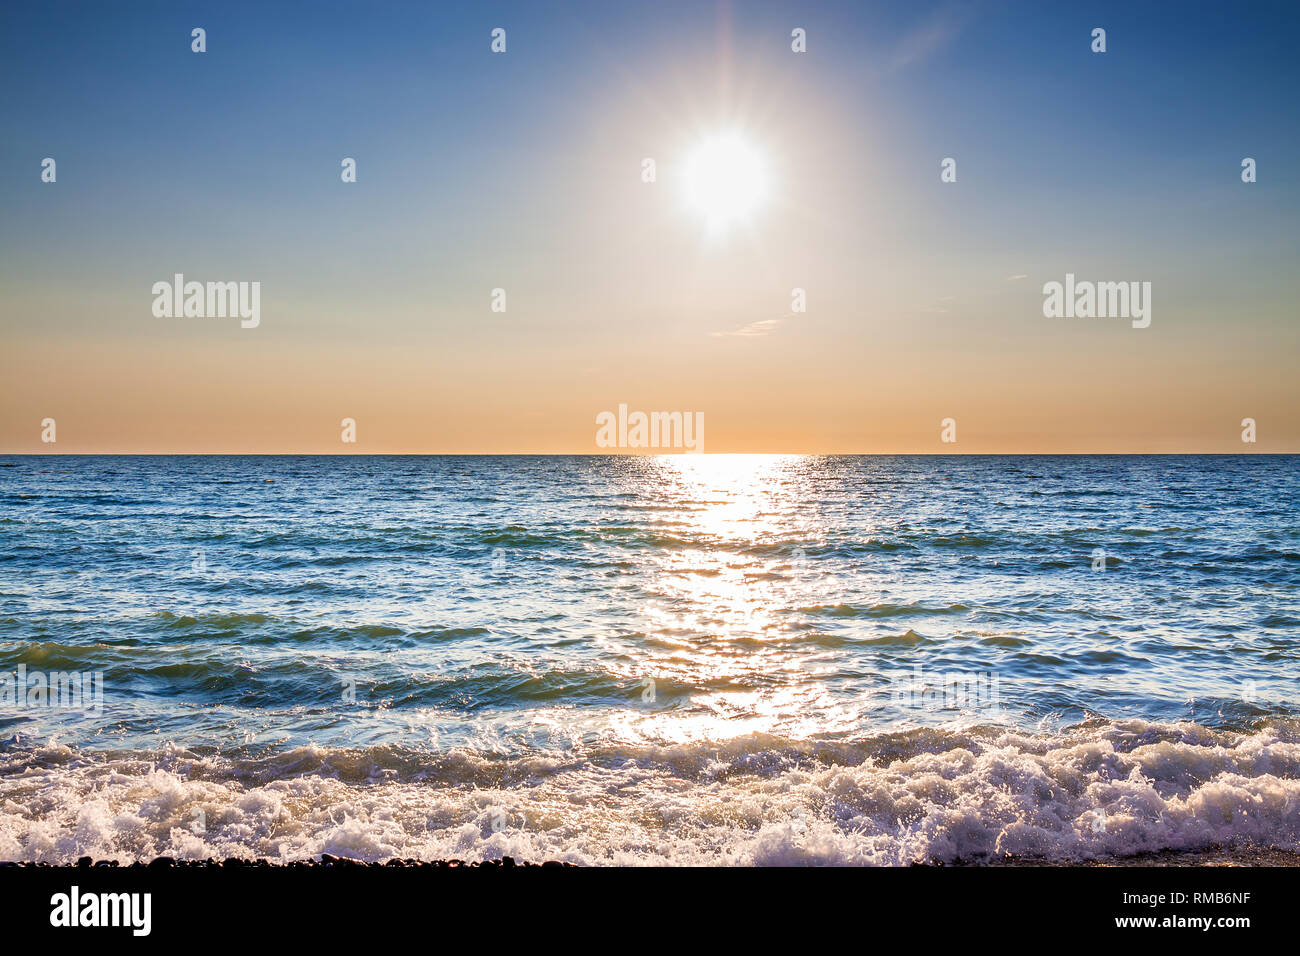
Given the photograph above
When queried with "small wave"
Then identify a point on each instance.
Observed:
(881, 610)
(222, 622)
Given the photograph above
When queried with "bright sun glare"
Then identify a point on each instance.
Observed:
(725, 180)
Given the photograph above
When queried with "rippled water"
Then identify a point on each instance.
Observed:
(692, 658)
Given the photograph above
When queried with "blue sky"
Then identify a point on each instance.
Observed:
(518, 170)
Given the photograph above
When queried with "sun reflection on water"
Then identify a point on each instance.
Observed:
(714, 631)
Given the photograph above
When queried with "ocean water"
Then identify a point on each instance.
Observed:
(679, 659)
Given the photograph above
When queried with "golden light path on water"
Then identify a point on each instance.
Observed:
(725, 609)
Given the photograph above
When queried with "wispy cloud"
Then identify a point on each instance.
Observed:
(933, 34)
(753, 330)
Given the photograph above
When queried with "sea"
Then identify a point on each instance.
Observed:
(684, 659)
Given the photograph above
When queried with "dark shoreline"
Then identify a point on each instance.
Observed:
(1248, 856)
(1214, 857)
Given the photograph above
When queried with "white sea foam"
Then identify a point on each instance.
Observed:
(1101, 790)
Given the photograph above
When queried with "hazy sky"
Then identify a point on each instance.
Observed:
(522, 171)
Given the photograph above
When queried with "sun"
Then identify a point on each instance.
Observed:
(725, 180)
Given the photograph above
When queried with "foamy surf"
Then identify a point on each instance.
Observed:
(1095, 792)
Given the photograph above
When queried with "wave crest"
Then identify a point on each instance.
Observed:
(1100, 790)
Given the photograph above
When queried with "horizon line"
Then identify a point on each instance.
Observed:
(723, 454)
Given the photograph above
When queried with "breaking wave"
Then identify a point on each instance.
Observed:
(1096, 791)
